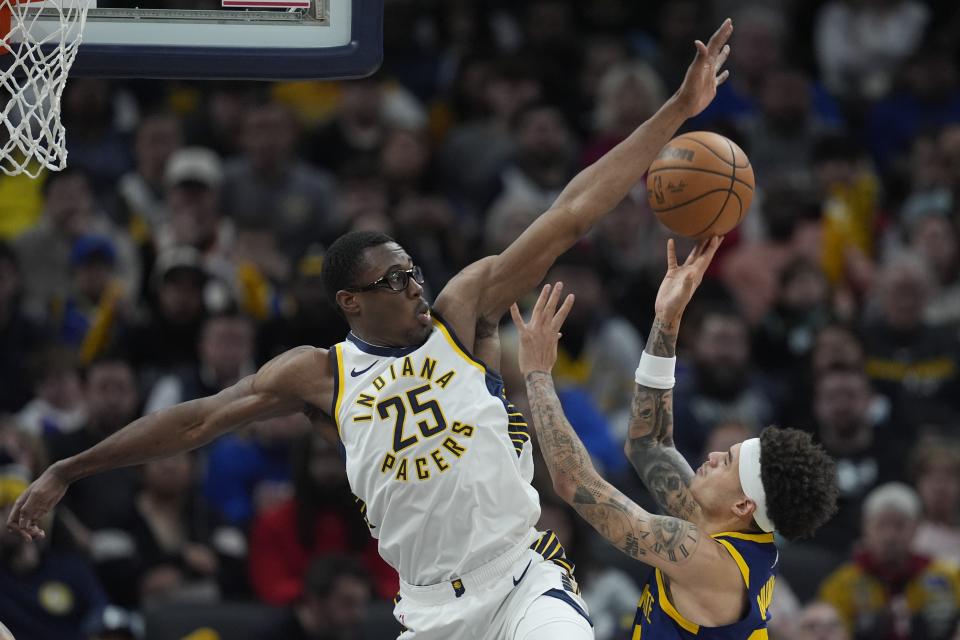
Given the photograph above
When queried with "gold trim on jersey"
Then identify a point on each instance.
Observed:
(456, 347)
(339, 390)
(752, 537)
(670, 610)
(738, 558)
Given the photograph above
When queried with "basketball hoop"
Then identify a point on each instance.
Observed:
(39, 40)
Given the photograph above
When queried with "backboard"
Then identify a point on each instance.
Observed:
(229, 39)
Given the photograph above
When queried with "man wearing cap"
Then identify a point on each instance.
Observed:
(714, 551)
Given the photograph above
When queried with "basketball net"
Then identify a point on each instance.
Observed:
(35, 58)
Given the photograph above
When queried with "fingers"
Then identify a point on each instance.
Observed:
(517, 318)
(563, 312)
(723, 77)
(671, 254)
(541, 303)
(722, 57)
(554, 298)
(720, 36)
(702, 52)
(707, 249)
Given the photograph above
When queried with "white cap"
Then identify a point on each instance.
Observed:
(752, 483)
(194, 164)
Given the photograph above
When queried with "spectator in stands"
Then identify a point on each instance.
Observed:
(333, 606)
(928, 96)
(322, 517)
(781, 135)
(165, 337)
(356, 130)
(425, 220)
(88, 318)
(306, 316)
(94, 142)
(820, 621)
(112, 401)
(139, 195)
(248, 473)
(476, 150)
(932, 235)
(545, 157)
(935, 472)
(867, 454)
(886, 592)
(860, 45)
(268, 182)
(718, 384)
(787, 333)
(69, 212)
(20, 336)
(909, 361)
(58, 405)
(225, 350)
(171, 545)
(628, 94)
(46, 594)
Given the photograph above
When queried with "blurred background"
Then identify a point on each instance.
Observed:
(182, 248)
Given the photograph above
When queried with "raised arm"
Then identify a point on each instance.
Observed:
(280, 387)
(596, 190)
(649, 445)
(671, 544)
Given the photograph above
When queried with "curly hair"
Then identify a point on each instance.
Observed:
(344, 259)
(799, 479)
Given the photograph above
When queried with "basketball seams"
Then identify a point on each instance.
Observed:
(699, 197)
(733, 154)
(723, 207)
(710, 171)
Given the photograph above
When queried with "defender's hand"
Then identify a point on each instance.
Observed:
(700, 84)
(37, 501)
(538, 338)
(681, 281)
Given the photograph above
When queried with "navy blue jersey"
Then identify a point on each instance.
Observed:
(756, 556)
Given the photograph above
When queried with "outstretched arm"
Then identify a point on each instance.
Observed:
(501, 279)
(671, 544)
(649, 445)
(278, 388)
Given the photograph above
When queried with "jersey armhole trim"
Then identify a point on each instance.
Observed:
(752, 537)
(738, 558)
(670, 610)
(337, 386)
(457, 345)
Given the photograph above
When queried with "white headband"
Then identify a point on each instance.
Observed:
(752, 483)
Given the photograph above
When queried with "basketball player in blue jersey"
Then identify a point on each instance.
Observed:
(434, 452)
(714, 555)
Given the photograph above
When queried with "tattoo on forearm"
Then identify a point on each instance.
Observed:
(627, 526)
(663, 338)
(650, 446)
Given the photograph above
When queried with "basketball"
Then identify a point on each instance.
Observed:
(700, 185)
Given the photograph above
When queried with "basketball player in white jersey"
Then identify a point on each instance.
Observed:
(433, 450)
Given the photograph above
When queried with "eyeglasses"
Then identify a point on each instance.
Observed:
(396, 280)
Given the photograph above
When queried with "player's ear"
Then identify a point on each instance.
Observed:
(349, 302)
(744, 507)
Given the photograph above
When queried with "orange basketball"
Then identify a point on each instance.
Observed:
(700, 185)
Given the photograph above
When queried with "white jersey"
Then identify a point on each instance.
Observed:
(435, 452)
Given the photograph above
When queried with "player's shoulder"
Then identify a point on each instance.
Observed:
(300, 364)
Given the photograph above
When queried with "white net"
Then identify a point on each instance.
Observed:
(37, 51)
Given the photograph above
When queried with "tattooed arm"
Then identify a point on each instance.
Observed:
(660, 541)
(649, 445)
(671, 544)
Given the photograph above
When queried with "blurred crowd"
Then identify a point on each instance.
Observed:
(183, 247)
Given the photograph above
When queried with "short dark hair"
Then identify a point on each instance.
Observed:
(344, 259)
(799, 480)
(325, 570)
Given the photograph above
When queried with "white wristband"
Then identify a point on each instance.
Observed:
(656, 372)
